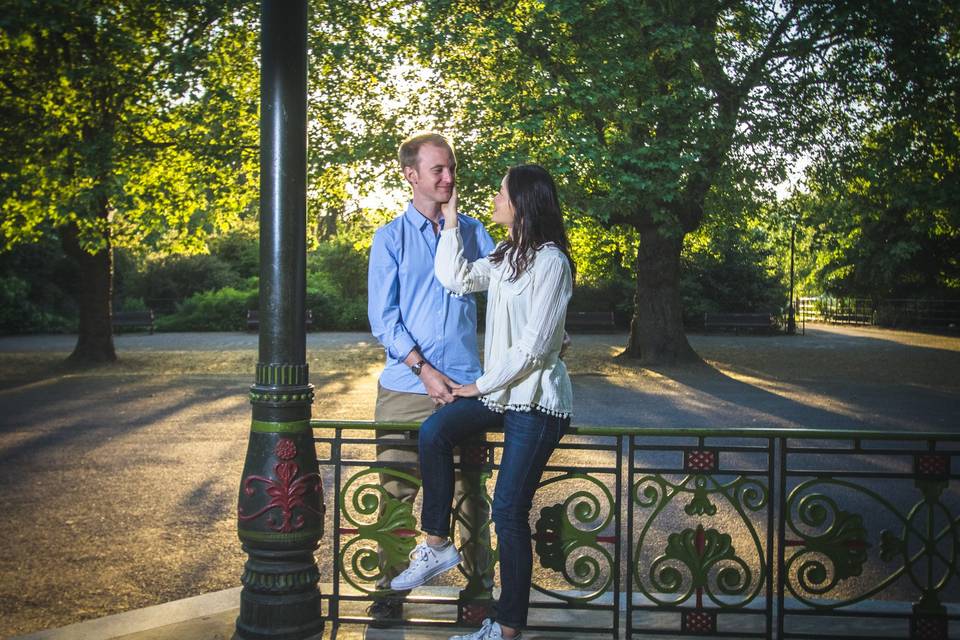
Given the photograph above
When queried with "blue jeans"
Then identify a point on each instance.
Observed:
(529, 437)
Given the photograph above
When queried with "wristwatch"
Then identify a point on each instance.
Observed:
(417, 368)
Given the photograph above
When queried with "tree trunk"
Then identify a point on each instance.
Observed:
(656, 332)
(95, 339)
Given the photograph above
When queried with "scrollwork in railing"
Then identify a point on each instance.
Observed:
(381, 525)
(700, 561)
(832, 545)
(569, 539)
(709, 560)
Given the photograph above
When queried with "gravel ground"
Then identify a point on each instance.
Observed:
(119, 482)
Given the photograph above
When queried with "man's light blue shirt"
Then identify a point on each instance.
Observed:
(408, 307)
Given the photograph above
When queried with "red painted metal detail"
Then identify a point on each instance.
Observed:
(850, 544)
(700, 460)
(475, 456)
(928, 627)
(287, 492)
(932, 465)
(285, 449)
(400, 533)
(475, 612)
(700, 542)
(699, 622)
(553, 537)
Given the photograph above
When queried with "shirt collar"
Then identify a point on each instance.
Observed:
(417, 219)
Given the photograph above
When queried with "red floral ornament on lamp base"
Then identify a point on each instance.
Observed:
(286, 492)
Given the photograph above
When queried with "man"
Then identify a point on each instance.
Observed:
(429, 335)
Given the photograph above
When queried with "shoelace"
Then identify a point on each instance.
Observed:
(486, 629)
(421, 553)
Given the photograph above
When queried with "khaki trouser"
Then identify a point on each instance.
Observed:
(396, 406)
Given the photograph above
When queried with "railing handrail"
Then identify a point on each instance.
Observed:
(625, 430)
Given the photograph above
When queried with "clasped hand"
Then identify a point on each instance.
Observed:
(442, 390)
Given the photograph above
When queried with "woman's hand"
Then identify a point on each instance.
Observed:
(466, 391)
(449, 211)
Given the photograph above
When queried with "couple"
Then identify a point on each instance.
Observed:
(424, 266)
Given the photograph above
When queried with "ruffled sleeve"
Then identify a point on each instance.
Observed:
(457, 274)
(552, 288)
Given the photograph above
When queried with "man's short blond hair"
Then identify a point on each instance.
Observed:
(409, 149)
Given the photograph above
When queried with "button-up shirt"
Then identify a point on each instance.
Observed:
(408, 307)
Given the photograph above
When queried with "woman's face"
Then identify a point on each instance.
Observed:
(503, 212)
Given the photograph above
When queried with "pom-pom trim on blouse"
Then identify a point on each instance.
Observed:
(497, 407)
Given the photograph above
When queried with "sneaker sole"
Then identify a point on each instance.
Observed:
(406, 586)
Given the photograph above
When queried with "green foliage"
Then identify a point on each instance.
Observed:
(240, 250)
(36, 279)
(730, 270)
(886, 224)
(18, 314)
(337, 287)
(124, 124)
(143, 109)
(222, 310)
(171, 279)
(603, 257)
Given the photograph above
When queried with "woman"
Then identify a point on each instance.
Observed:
(524, 389)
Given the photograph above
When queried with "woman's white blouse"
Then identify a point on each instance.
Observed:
(524, 327)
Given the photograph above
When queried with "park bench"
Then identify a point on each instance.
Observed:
(590, 320)
(133, 320)
(253, 319)
(737, 321)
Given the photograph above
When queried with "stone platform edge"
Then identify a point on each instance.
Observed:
(145, 619)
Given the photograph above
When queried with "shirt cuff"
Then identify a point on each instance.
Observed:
(402, 346)
(482, 386)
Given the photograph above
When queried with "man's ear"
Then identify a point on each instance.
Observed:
(410, 173)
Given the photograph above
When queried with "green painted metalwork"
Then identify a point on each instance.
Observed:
(263, 426)
(359, 502)
(282, 374)
(835, 559)
(743, 495)
(712, 546)
(473, 478)
(560, 538)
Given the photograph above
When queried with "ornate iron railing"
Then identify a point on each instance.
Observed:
(746, 533)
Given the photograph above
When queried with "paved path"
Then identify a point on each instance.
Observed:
(834, 377)
(118, 489)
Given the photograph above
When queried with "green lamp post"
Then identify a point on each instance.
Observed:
(280, 511)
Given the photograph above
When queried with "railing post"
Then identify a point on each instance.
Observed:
(280, 512)
(476, 598)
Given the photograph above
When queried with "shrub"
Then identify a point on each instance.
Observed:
(239, 251)
(342, 266)
(171, 280)
(334, 309)
(18, 314)
(731, 275)
(223, 310)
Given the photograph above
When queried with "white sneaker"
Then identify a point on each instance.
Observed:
(489, 631)
(425, 563)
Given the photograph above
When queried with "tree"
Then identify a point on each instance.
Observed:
(653, 112)
(129, 123)
(885, 213)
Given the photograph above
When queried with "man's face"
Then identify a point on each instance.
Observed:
(435, 174)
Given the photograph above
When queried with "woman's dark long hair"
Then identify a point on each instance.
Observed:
(538, 219)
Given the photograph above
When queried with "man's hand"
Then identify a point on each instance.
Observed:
(438, 385)
(467, 391)
(449, 210)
